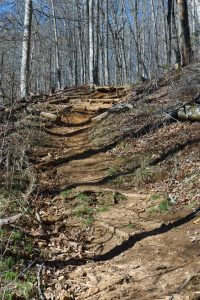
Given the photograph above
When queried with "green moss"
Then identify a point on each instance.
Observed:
(118, 180)
(164, 205)
(6, 264)
(83, 197)
(28, 248)
(25, 288)
(9, 276)
(131, 226)
(23, 282)
(83, 210)
(2, 232)
(66, 193)
(155, 197)
(103, 208)
(152, 210)
(17, 236)
(113, 171)
(8, 295)
(89, 221)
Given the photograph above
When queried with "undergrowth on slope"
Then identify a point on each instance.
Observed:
(87, 205)
(160, 204)
(17, 184)
(16, 277)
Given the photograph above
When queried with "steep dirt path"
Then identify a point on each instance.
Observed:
(98, 242)
(73, 159)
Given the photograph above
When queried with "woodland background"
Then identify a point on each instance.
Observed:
(83, 41)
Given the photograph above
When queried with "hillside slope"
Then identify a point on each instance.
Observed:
(114, 214)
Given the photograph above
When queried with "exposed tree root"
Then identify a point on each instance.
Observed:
(78, 156)
(114, 230)
(186, 282)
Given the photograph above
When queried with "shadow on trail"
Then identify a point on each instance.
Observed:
(54, 191)
(128, 244)
(97, 182)
(68, 134)
(68, 124)
(83, 155)
(123, 247)
(59, 264)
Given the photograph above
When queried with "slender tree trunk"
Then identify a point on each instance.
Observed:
(139, 39)
(25, 62)
(136, 37)
(169, 23)
(175, 41)
(185, 42)
(106, 70)
(155, 37)
(123, 46)
(2, 96)
(91, 44)
(101, 46)
(167, 46)
(82, 80)
(50, 68)
(96, 64)
(57, 57)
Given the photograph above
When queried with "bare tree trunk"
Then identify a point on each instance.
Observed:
(82, 66)
(155, 38)
(25, 62)
(174, 36)
(56, 47)
(2, 95)
(123, 46)
(91, 44)
(169, 23)
(137, 38)
(106, 70)
(96, 64)
(186, 49)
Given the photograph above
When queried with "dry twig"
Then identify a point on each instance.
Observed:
(39, 281)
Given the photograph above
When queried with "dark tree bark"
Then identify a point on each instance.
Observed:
(169, 23)
(173, 33)
(185, 41)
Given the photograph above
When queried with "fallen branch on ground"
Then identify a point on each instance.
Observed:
(49, 116)
(39, 281)
(9, 220)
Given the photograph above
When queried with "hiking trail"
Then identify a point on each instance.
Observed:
(98, 241)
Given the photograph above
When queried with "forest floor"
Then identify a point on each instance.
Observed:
(115, 214)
